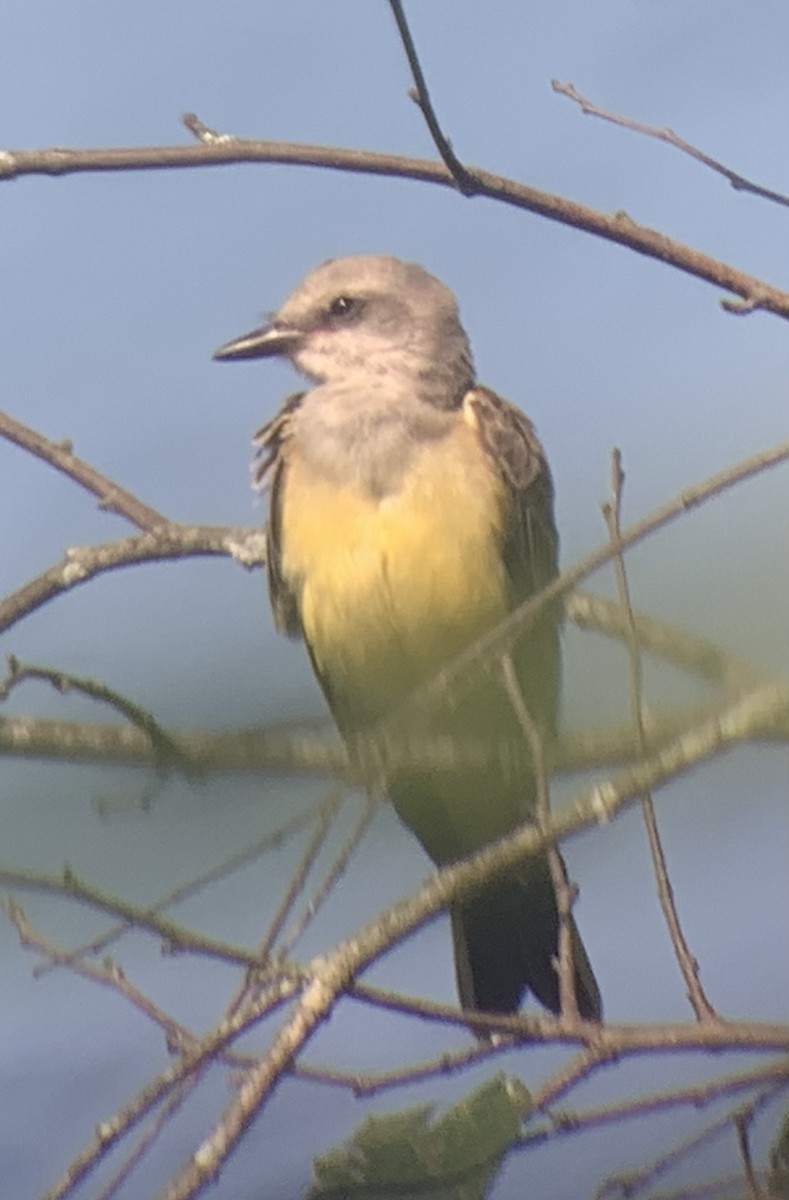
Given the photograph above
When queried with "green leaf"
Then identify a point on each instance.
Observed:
(409, 1156)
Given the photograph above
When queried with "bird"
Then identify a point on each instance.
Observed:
(410, 511)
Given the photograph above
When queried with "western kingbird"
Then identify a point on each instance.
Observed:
(410, 511)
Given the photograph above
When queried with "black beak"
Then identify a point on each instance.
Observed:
(260, 343)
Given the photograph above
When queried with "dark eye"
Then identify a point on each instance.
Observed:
(344, 308)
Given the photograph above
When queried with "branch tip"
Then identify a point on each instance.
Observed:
(204, 133)
(741, 308)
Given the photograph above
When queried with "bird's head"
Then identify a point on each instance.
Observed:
(367, 317)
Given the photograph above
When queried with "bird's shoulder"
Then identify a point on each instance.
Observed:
(530, 540)
(508, 437)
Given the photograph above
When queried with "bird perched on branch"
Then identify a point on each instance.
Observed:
(411, 510)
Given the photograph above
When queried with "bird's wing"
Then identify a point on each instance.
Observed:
(268, 469)
(530, 542)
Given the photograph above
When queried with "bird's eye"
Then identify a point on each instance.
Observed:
(344, 308)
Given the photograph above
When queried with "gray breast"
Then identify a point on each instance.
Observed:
(367, 437)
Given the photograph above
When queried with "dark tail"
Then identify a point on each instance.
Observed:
(506, 943)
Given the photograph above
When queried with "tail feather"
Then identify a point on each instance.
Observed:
(506, 943)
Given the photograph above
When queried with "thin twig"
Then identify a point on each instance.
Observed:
(742, 1123)
(334, 873)
(421, 96)
(684, 650)
(175, 936)
(605, 1042)
(326, 814)
(166, 753)
(146, 1141)
(251, 985)
(591, 807)
(373, 1084)
(737, 181)
(696, 1096)
(563, 891)
(332, 973)
(721, 1187)
(562, 1081)
(110, 1132)
(270, 841)
(111, 497)
(505, 634)
(108, 975)
(527, 1027)
(631, 1183)
(688, 965)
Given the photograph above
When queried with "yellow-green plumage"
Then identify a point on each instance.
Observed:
(391, 589)
(411, 511)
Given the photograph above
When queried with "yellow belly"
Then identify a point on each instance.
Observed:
(390, 590)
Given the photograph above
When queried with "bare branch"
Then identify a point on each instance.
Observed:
(166, 752)
(108, 975)
(327, 813)
(270, 841)
(110, 1132)
(177, 937)
(685, 650)
(601, 1043)
(618, 228)
(167, 1111)
(332, 973)
(567, 1076)
(334, 873)
(688, 965)
(111, 497)
(382, 1081)
(695, 1096)
(738, 182)
(633, 1182)
(316, 751)
(165, 543)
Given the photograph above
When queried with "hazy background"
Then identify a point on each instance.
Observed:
(116, 289)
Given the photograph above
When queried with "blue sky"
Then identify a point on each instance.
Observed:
(116, 289)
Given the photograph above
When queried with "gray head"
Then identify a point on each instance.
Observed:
(369, 316)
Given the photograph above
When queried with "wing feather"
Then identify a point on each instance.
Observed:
(530, 542)
(269, 468)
